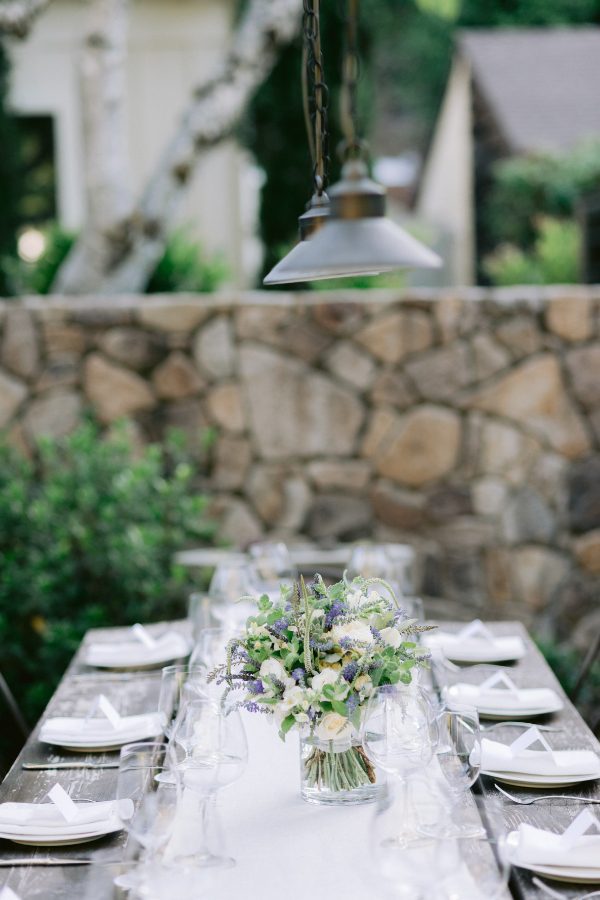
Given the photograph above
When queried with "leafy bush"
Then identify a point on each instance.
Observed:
(526, 187)
(183, 266)
(87, 536)
(553, 260)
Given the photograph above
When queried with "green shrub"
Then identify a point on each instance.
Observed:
(566, 663)
(526, 187)
(88, 531)
(554, 258)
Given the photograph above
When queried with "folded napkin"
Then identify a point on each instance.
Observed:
(475, 643)
(46, 818)
(497, 700)
(137, 653)
(496, 757)
(89, 731)
(572, 848)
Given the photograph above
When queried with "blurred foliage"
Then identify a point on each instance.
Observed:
(529, 186)
(566, 663)
(88, 529)
(554, 258)
(10, 186)
(182, 268)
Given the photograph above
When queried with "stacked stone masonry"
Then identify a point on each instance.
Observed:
(465, 423)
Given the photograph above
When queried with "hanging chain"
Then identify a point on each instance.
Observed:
(315, 95)
(352, 146)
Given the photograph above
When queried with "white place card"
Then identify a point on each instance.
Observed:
(143, 635)
(497, 679)
(476, 628)
(63, 803)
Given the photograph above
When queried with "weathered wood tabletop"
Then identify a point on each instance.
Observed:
(134, 693)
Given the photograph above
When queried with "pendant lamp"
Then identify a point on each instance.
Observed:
(355, 237)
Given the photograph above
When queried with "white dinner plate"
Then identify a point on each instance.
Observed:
(527, 780)
(44, 840)
(572, 874)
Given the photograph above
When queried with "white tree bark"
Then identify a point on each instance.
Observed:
(138, 240)
(17, 16)
(104, 118)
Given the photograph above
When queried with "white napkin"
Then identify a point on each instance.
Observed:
(573, 848)
(137, 653)
(90, 731)
(476, 643)
(496, 757)
(46, 818)
(500, 700)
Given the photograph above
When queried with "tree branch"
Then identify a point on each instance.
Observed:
(17, 16)
(211, 116)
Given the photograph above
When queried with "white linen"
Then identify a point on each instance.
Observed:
(543, 848)
(135, 653)
(497, 757)
(46, 819)
(500, 700)
(475, 648)
(89, 732)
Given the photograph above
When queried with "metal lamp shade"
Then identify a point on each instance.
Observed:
(355, 239)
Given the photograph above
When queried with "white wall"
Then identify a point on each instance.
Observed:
(446, 195)
(173, 46)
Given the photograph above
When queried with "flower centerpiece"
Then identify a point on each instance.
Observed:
(312, 659)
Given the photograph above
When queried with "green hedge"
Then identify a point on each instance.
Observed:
(88, 529)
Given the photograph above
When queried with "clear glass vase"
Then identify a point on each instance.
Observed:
(337, 772)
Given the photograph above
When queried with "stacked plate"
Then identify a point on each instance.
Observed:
(497, 703)
(548, 854)
(99, 734)
(42, 824)
(135, 654)
(538, 768)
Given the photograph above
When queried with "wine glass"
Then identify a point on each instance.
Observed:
(147, 794)
(272, 566)
(372, 561)
(459, 758)
(411, 862)
(232, 591)
(399, 729)
(210, 751)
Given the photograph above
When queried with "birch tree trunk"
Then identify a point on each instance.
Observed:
(17, 16)
(104, 119)
(133, 244)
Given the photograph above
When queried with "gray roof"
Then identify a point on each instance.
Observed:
(541, 84)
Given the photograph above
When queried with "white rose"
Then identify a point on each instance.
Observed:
(292, 696)
(276, 670)
(333, 727)
(355, 599)
(327, 676)
(363, 685)
(391, 637)
(356, 631)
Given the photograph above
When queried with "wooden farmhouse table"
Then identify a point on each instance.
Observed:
(265, 800)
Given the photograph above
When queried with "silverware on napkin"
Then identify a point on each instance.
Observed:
(70, 765)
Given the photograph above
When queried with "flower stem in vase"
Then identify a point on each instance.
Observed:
(344, 771)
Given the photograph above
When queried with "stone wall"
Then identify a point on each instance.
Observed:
(468, 423)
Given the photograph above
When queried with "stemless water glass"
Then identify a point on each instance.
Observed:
(272, 566)
(147, 795)
(232, 591)
(210, 649)
(174, 680)
(412, 863)
(459, 758)
(210, 751)
(485, 866)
